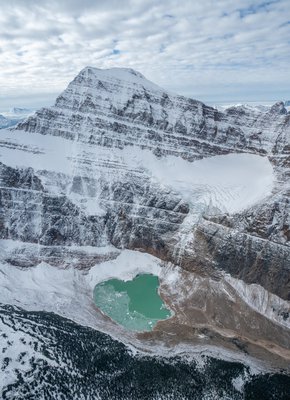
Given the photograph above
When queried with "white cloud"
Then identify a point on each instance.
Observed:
(205, 49)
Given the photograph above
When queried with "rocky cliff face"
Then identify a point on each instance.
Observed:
(71, 176)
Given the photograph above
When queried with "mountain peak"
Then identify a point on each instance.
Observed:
(123, 74)
(119, 84)
(118, 71)
(278, 108)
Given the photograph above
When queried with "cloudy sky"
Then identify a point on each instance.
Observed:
(212, 50)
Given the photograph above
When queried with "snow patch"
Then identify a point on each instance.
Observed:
(230, 182)
(264, 302)
(63, 290)
(125, 267)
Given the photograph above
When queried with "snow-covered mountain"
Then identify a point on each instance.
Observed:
(20, 111)
(14, 116)
(287, 105)
(6, 122)
(119, 163)
(116, 150)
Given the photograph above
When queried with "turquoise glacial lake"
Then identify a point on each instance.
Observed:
(134, 304)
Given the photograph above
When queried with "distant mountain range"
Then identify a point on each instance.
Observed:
(13, 116)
